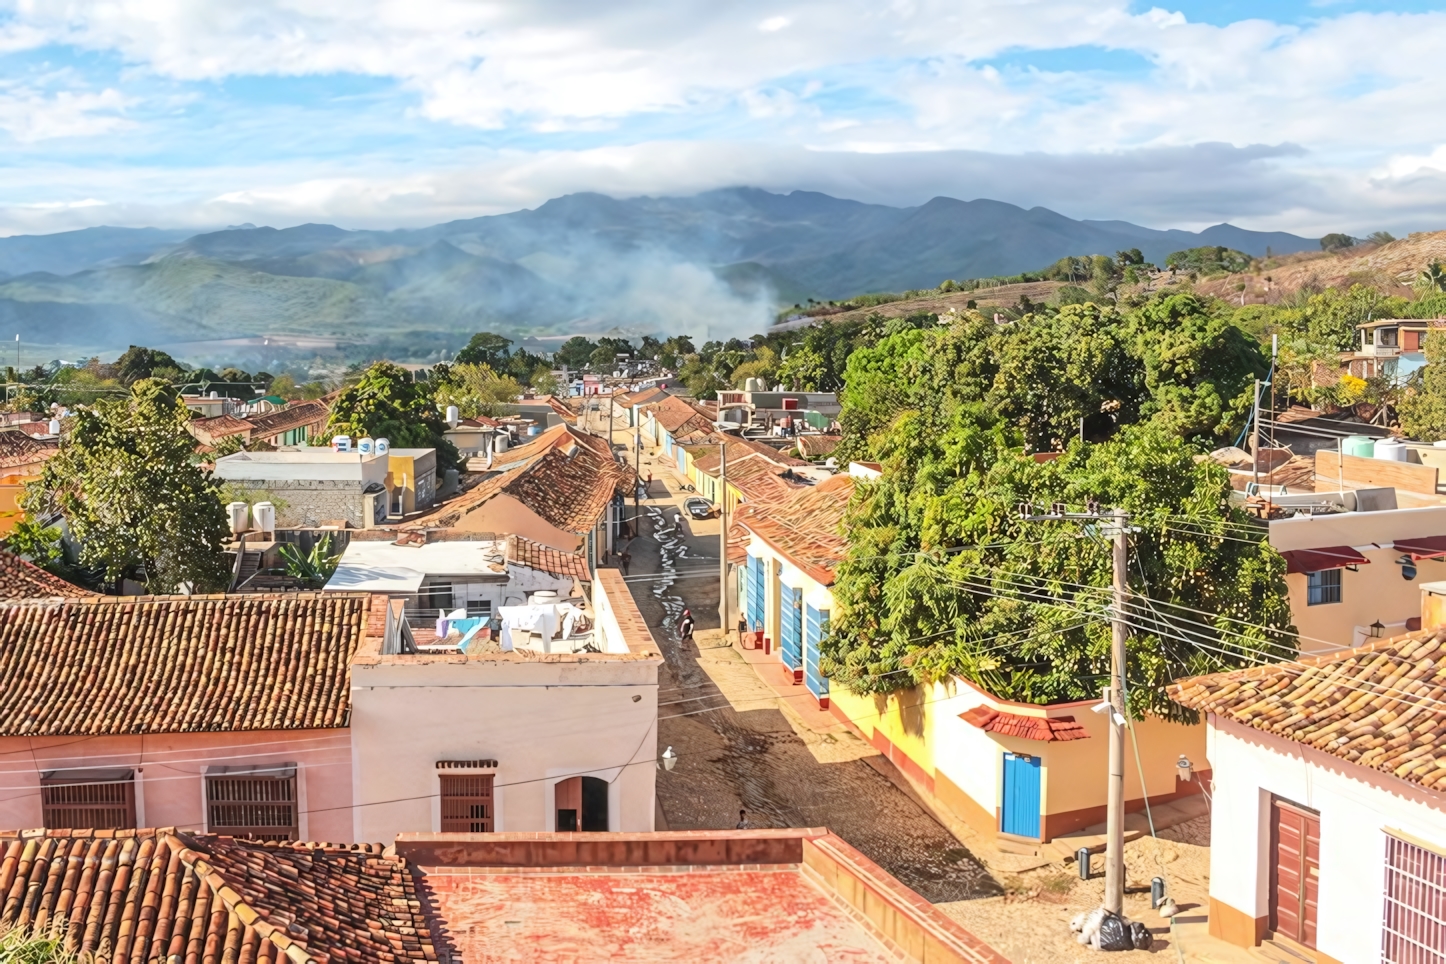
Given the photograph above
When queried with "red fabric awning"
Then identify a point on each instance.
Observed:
(1326, 557)
(1058, 729)
(1423, 547)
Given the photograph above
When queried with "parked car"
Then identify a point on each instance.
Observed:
(699, 508)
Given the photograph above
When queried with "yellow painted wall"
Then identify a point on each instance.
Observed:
(1375, 592)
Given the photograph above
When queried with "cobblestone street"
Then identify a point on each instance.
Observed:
(740, 748)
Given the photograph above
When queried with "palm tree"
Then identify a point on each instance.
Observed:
(1432, 277)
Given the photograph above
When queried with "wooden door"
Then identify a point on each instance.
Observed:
(1020, 814)
(567, 801)
(1294, 871)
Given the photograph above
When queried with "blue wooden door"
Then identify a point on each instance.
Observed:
(1021, 795)
(815, 628)
(755, 592)
(790, 627)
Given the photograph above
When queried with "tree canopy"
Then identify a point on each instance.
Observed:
(387, 403)
(485, 348)
(135, 499)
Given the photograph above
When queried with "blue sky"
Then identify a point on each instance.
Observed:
(1304, 116)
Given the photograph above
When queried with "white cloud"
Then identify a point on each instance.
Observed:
(29, 115)
(773, 24)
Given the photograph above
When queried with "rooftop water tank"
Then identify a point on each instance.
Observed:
(1391, 449)
(533, 429)
(499, 443)
(341, 443)
(366, 445)
(238, 511)
(384, 445)
(54, 426)
(543, 597)
(1359, 445)
(264, 513)
(453, 416)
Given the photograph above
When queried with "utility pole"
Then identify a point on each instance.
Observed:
(723, 536)
(637, 474)
(1115, 812)
(1255, 441)
(1113, 703)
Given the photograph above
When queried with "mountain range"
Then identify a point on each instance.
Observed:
(713, 264)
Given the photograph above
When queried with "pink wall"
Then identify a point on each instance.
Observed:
(168, 773)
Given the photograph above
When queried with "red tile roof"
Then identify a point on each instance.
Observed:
(677, 416)
(1379, 705)
(569, 491)
(1047, 730)
(706, 454)
(178, 664)
(817, 446)
(164, 895)
(804, 527)
(219, 427)
(535, 555)
(23, 580)
(19, 449)
(313, 413)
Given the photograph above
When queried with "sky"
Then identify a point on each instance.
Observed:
(1302, 115)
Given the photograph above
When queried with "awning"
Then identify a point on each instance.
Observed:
(1423, 547)
(1326, 557)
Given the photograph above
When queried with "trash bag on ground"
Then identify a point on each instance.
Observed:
(1114, 934)
(1140, 936)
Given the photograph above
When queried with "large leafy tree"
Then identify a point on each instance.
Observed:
(476, 390)
(485, 348)
(127, 482)
(387, 403)
(1423, 407)
(575, 352)
(943, 576)
(139, 362)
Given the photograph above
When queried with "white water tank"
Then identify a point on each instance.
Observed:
(341, 443)
(499, 444)
(453, 416)
(543, 597)
(215, 395)
(366, 445)
(264, 514)
(54, 426)
(384, 445)
(1391, 449)
(238, 511)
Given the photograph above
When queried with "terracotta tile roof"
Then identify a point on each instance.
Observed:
(817, 446)
(219, 426)
(563, 412)
(677, 416)
(164, 895)
(313, 412)
(535, 555)
(757, 478)
(22, 580)
(642, 397)
(1058, 729)
(177, 664)
(804, 527)
(17, 448)
(569, 491)
(706, 454)
(1381, 705)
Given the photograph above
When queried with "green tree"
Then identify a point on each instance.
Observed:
(138, 362)
(128, 485)
(1380, 237)
(387, 403)
(485, 348)
(1422, 408)
(544, 382)
(1208, 260)
(943, 577)
(476, 390)
(1432, 278)
(37, 543)
(1337, 242)
(575, 352)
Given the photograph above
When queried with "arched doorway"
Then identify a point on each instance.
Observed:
(581, 804)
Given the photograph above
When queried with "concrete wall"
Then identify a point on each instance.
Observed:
(543, 720)
(503, 513)
(307, 503)
(169, 789)
(1357, 807)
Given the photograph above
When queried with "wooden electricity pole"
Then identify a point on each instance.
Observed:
(723, 536)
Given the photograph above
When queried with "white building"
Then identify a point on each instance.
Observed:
(1328, 824)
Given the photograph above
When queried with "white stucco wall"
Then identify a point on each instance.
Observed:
(1356, 805)
(542, 720)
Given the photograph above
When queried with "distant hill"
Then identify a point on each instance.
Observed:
(713, 264)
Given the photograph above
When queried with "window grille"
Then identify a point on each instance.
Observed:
(467, 803)
(79, 799)
(1414, 929)
(252, 802)
(1323, 587)
(438, 595)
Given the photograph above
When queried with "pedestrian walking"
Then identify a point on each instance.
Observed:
(685, 626)
(742, 628)
(743, 822)
(624, 559)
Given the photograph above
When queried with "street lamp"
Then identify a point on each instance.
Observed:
(669, 759)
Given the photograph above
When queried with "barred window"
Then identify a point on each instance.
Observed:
(1414, 930)
(256, 802)
(467, 803)
(78, 799)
